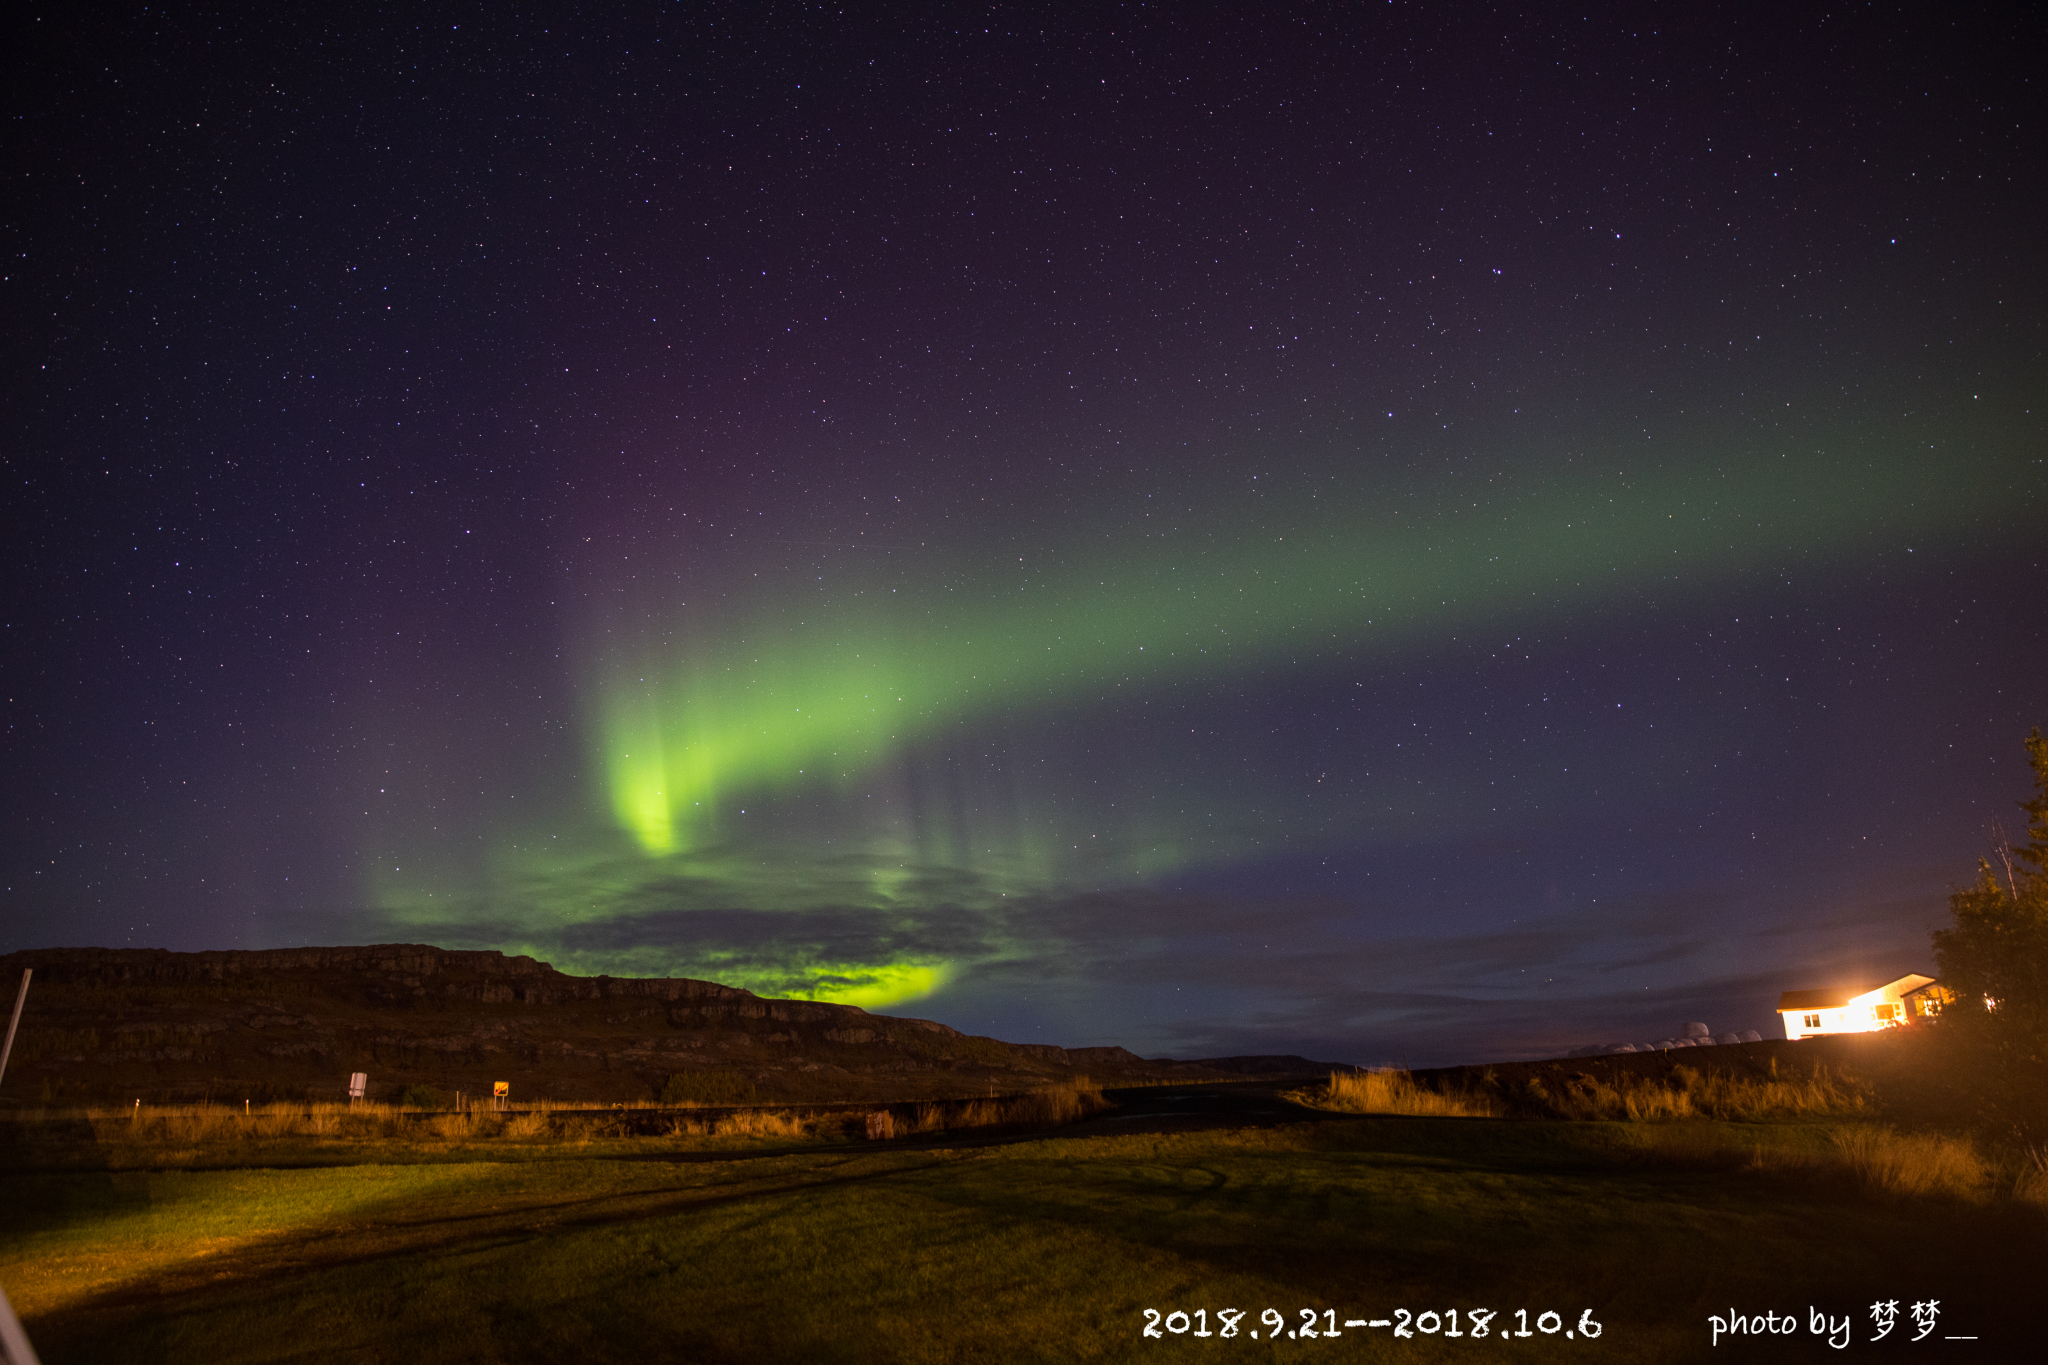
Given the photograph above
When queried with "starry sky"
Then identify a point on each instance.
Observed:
(1399, 533)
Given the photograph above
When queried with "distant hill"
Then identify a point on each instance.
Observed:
(112, 1024)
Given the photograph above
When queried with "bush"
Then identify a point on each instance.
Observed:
(421, 1097)
(707, 1087)
(1993, 959)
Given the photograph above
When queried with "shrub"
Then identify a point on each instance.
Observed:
(421, 1097)
(1992, 1037)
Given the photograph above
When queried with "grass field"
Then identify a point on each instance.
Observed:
(946, 1247)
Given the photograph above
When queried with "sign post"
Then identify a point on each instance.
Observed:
(358, 1085)
(500, 1090)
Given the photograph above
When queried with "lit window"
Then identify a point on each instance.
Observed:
(1887, 1011)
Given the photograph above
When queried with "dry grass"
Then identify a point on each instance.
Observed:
(1913, 1163)
(1692, 1095)
(528, 1125)
(176, 1135)
(455, 1127)
(1876, 1158)
(193, 1125)
(762, 1123)
(1045, 1107)
(923, 1256)
(187, 1124)
(1390, 1092)
(1051, 1105)
(756, 1123)
(2030, 1184)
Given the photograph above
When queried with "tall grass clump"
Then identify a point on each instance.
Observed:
(1391, 1092)
(527, 1125)
(1056, 1104)
(2030, 1184)
(1911, 1163)
(1876, 1158)
(196, 1123)
(1048, 1106)
(456, 1127)
(759, 1123)
(1692, 1095)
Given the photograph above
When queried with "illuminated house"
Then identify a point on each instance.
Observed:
(1811, 1014)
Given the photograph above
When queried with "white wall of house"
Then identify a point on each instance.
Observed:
(1884, 1007)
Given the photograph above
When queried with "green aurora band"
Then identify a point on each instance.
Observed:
(785, 705)
(741, 741)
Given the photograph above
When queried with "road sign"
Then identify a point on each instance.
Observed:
(501, 1088)
(358, 1084)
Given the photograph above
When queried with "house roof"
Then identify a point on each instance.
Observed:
(1820, 1000)
(1834, 998)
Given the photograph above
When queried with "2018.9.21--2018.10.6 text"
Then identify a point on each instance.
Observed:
(1322, 1324)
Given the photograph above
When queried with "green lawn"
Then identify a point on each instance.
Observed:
(1048, 1249)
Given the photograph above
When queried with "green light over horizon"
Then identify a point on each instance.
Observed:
(908, 762)
(865, 985)
(812, 693)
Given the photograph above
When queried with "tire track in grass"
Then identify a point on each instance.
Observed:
(327, 1247)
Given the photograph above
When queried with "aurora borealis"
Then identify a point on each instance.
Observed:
(1364, 534)
(785, 699)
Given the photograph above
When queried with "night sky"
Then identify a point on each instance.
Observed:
(1398, 533)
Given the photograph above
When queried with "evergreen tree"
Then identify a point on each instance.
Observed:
(1994, 958)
